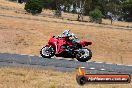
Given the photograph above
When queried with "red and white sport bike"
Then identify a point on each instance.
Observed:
(64, 47)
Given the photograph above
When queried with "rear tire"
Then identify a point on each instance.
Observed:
(47, 52)
(84, 55)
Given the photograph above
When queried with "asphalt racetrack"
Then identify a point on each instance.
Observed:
(16, 60)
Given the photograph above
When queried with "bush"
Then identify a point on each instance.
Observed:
(34, 6)
(96, 16)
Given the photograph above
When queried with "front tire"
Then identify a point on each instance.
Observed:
(84, 55)
(47, 52)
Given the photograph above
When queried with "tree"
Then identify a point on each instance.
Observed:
(96, 16)
(127, 10)
(88, 7)
(34, 6)
(117, 8)
(80, 6)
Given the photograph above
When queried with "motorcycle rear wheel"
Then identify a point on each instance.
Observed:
(84, 55)
(47, 52)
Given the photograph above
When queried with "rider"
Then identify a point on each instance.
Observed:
(71, 36)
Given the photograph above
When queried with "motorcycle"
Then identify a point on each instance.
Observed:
(65, 47)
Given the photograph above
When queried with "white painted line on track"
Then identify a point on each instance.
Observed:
(92, 68)
(24, 54)
(102, 69)
(119, 64)
(71, 60)
(31, 55)
(90, 61)
(39, 56)
(99, 62)
(109, 63)
(128, 65)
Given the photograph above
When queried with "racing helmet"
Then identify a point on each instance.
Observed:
(66, 32)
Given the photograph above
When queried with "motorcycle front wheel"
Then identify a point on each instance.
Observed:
(84, 55)
(47, 52)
